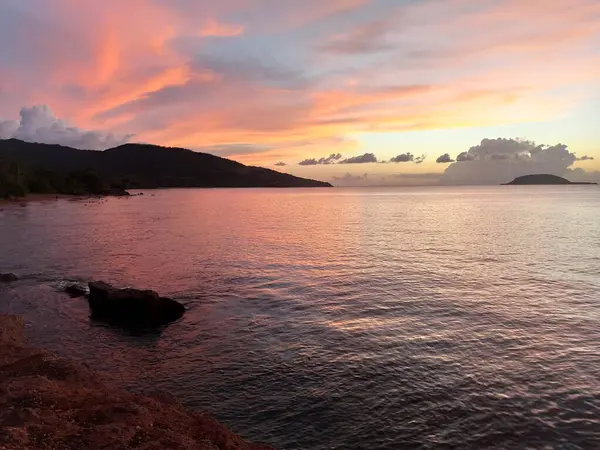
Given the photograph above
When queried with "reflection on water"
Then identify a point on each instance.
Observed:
(335, 319)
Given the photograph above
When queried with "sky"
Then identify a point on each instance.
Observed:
(357, 92)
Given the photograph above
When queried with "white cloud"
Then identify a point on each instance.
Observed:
(336, 158)
(403, 157)
(8, 128)
(464, 156)
(496, 161)
(396, 179)
(39, 124)
(349, 177)
(580, 175)
(309, 162)
(331, 159)
(406, 157)
(444, 159)
(351, 180)
(361, 159)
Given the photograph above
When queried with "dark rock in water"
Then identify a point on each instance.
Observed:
(75, 291)
(132, 307)
(8, 277)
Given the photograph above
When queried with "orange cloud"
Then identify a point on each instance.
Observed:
(217, 29)
(122, 93)
(108, 57)
(442, 65)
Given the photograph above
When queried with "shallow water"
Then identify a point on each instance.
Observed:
(338, 318)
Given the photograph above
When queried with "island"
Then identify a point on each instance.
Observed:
(27, 167)
(541, 179)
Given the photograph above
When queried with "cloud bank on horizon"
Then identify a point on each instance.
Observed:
(493, 161)
(496, 161)
(266, 82)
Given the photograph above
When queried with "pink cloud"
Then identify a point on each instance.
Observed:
(217, 29)
(289, 71)
(265, 14)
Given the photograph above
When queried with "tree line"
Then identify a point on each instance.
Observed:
(18, 180)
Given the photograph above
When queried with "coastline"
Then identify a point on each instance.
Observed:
(53, 402)
(39, 198)
(35, 198)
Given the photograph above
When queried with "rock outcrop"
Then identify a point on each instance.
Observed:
(8, 277)
(132, 307)
(48, 402)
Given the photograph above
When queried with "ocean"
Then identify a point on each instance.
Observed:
(374, 318)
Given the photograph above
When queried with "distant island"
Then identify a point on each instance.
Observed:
(541, 179)
(42, 168)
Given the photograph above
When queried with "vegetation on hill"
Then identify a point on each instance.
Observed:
(17, 180)
(35, 167)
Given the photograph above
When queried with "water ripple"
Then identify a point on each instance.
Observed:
(351, 319)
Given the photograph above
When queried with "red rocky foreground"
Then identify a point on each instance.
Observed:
(47, 402)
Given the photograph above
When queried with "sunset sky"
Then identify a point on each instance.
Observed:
(289, 81)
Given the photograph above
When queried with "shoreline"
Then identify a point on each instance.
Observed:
(37, 198)
(41, 198)
(54, 402)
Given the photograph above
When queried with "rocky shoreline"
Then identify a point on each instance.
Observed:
(41, 198)
(49, 402)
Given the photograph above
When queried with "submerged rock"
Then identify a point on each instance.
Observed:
(75, 291)
(48, 402)
(8, 277)
(132, 307)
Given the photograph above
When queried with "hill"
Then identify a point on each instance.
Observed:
(541, 179)
(148, 166)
